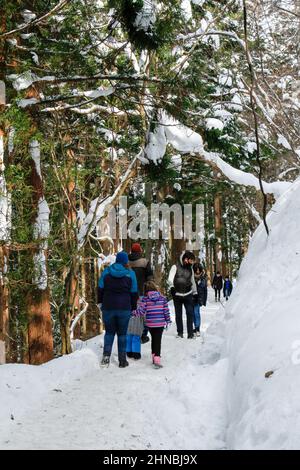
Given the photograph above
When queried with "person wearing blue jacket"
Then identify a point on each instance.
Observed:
(227, 289)
(117, 296)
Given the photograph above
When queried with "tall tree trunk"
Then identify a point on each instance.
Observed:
(40, 338)
(70, 306)
(220, 262)
(92, 316)
(4, 309)
(158, 248)
(225, 240)
(66, 311)
(4, 294)
(4, 236)
(208, 260)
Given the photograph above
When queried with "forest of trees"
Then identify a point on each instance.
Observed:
(84, 89)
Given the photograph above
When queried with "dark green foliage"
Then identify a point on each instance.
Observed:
(158, 32)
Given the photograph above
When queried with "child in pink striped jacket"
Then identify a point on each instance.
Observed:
(154, 307)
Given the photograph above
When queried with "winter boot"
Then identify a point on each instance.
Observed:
(192, 336)
(156, 362)
(179, 335)
(123, 363)
(130, 354)
(136, 355)
(122, 360)
(105, 360)
(153, 355)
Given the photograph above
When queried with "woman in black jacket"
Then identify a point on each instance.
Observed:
(217, 285)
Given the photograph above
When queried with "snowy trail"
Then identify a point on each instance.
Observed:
(181, 406)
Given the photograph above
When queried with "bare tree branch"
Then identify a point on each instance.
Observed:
(287, 11)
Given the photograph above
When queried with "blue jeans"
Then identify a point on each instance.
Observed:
(116, 322)
(227, 293)
(197, 317)
(133, 344)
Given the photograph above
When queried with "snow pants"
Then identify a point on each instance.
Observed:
(133, 344)
(115, 322)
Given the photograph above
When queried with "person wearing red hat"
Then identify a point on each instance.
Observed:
(143, 271)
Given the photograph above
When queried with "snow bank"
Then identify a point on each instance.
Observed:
(23, 387)
(264, 335)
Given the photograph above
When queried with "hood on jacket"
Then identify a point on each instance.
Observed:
(118, 270)
(181, 261)
(154, 295)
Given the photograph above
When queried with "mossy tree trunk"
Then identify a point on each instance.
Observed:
(40, 338)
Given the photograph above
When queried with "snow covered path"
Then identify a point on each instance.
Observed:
(181, 406)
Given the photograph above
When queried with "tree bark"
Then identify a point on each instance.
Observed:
(71, 303)
(40, 338)
(218, 233)
(4, 250)
(92, 315)
(4, 307)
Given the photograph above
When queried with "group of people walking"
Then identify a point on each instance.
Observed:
(218, 285)
(132, 305)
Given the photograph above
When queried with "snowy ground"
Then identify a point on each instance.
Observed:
(213, 392)
(72, 403)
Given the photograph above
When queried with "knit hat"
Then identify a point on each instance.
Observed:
(122, 257)
(136, 248)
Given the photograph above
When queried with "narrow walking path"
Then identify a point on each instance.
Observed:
(181, 406)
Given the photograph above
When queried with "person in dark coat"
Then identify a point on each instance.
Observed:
(182, 284)
(141, 266)
(202, 289)
(227, 289)
(143, 271)
(117, 296)
(217, 285)
(201, 297)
